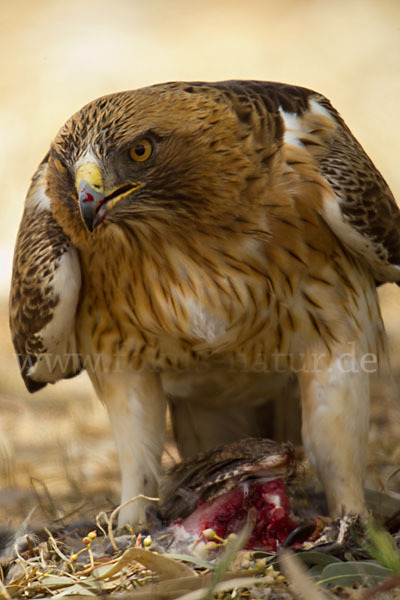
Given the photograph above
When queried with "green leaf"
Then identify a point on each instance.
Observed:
(383, 548)
(74, 590)
(317, 558)
(103, 572)
(263, 554)
(56, 581)
(315, 572)
(349, 573)
(192, 559)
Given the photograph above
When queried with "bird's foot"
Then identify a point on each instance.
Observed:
(339, 537)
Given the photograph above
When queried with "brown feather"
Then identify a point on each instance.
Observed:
(248, 252)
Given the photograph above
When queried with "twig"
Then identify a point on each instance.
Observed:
(50, 511)
(116, 511)
(385, 586)
(55, 547)
(387, 490)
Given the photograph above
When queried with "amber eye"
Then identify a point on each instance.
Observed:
(141, 151)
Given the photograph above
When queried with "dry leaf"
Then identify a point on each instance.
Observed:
(166, 568)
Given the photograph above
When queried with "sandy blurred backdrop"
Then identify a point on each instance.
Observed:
(56, 55)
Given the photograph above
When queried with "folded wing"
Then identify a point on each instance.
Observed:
(44, 294)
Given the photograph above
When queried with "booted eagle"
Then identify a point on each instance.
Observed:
(209, 246)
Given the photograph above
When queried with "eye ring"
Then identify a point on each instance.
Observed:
(141, 150)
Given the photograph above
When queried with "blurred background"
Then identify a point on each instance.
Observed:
(57, 55)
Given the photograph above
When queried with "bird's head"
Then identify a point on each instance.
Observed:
(173, 154)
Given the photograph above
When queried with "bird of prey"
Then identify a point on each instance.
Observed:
(209, 246)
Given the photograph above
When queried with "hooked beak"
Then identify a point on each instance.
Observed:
(94, 202)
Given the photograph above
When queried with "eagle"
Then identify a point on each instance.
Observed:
(208, 248)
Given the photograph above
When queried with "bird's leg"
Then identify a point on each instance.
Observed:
(136, 405)
(335, 418)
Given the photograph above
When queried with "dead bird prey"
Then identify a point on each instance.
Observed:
(215, 472)
(221, 488)
(210, 246)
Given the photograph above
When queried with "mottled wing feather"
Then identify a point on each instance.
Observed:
(367, 219)
(44, 293)
(365, 199)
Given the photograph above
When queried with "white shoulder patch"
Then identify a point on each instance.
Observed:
(39, 200)
(317, 109)
(293, 128)
(298, 127)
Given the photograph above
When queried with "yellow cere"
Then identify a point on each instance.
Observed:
(90, 173)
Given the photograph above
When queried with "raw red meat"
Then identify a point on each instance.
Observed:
(228, 514)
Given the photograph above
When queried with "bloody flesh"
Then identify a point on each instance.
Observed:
(228, 514)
